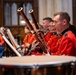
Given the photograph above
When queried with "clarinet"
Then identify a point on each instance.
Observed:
(36, 32)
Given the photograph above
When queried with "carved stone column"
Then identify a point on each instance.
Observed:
(1, 13)
(50, 8)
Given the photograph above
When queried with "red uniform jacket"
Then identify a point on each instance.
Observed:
(29, 38)
(2, 42)
(52, 42)
(66, 45)
(48, 36)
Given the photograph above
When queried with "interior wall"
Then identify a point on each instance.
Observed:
(49, 7)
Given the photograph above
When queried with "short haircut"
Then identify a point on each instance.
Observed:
(63, 15)
(48, 18)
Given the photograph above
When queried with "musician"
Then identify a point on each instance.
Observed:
(2, 45)
(66, 44)
(50, 32)
(28, 39)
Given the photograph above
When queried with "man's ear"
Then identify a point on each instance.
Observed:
(64, 21)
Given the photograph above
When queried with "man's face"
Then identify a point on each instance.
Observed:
(45, 24)
(26, 30)
(58, 23)
(52, 27)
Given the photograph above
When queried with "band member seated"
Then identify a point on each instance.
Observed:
(66, 44)
(49, 32)
(30, 44)
(45, 28)
(28, 39)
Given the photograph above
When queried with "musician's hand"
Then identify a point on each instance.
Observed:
(35, 45)
(26, 45)
(47, 54)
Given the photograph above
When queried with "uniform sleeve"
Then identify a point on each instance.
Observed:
(66, 47)
(2, 42)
